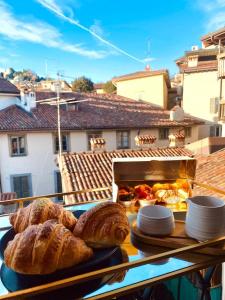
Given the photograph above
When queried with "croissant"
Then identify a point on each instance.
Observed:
(105, 225)
(45, 248)
(39, 211)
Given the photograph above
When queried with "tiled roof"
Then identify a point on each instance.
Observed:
(144, 139)
(214, 38)
(142, 74)
(8, 88)
(94, 169)
(211, 170)
(99, 112)
(7, 196)
(98, 86)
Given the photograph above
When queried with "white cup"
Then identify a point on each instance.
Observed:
(205, 218)
(155, 220)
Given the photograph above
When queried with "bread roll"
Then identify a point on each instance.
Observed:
(39, 211)
(45, 248)
(105, 225)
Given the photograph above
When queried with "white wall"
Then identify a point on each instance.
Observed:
(6, 101)
(39, 163)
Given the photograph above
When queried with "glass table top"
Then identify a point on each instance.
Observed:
(133, 251)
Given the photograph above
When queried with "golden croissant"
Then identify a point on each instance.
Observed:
(105, 225)
(39, 211)
(45, 248)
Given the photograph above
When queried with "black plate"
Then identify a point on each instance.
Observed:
(14, 281)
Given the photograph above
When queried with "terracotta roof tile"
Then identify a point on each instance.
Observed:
(211, 170)
(94, 169)
(99, 112)
(7, 87)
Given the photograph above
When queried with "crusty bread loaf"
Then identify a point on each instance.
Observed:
(45, 248)
(39, 211)
(105, 225)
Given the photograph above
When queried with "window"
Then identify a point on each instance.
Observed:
(17, 145)
(163, 133)
(21, 185)
(214, 105)
(188, 132)
(58, 185)
(215, 130)
(123, 139)
(93, 134)
(64, 141)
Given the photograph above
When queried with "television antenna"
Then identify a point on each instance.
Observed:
(60, 101)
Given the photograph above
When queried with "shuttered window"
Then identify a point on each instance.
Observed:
(21, 185)
(214, 105)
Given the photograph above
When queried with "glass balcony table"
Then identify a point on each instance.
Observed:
(141, 266)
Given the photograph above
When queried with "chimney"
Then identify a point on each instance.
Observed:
(28, 99)
(147, 68)
(176, 139)
(97, 144)
(145, 141)
(177, 114)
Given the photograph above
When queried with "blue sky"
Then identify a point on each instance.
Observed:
(101, 39)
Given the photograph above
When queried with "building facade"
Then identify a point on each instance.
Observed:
(203, 85)
(29, 142)
(149, 86)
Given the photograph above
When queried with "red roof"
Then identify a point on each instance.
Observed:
(99, 112)
(91, 170)
(7, 87)
(211, 170)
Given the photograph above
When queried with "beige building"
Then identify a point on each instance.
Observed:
(98, 88)
(150, 86)
(203, 87)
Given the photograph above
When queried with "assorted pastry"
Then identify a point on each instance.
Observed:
(49, 238)
(158, 193)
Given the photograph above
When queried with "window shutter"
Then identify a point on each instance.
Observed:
(212, 131)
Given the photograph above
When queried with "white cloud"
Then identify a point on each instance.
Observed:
(214, 12)
(58, 11)
(217, 21)
(39, 32)
(97, 28)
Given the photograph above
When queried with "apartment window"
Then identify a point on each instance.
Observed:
(215, 130)
(58, 185)
(94, 134)
(17, 145)
(123, 139)
(64, 142)
(214, 105)
(188, 131)
(21, 185)
(163, 133)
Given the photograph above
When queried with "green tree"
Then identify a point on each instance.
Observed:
(82, 84)
(109, 87)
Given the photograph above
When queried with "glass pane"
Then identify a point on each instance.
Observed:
(14, 148)
(56, 144)
(21, 186)
(64, 143)
(21, 145)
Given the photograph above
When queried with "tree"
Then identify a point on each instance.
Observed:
(82, 84)
(109, 87)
